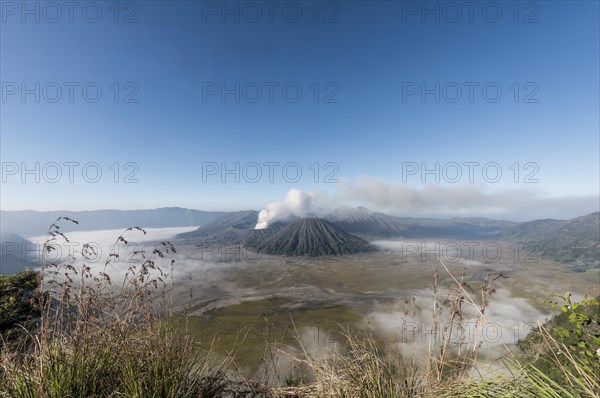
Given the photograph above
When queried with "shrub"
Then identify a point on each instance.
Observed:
(18, 307)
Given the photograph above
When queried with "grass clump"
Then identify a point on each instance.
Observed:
(101, 338)
(18, 307)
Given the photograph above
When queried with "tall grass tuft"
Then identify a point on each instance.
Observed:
(102, 338)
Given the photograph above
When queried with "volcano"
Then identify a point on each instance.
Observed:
(312, 237)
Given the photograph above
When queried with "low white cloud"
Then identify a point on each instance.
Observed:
(107, 237)
(507, 320)
(462, 200)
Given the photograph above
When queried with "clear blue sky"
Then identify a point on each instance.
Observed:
(363, 54)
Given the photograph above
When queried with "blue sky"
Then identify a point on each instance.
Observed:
(353, 63)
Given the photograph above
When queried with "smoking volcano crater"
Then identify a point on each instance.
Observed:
(311, 237)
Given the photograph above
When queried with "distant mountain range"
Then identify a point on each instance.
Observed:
(344, 230)
(361, 222)
(16, 253)
(568, 241)
(571, 241)
(372, 225)
(230, 228)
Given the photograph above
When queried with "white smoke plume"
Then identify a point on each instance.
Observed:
(461, 200)
(429, 200)
(295, 203)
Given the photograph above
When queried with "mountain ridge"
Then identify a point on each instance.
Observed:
(16, 253)
(575, 241)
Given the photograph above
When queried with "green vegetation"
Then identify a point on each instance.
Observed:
(575, 331)
(17, 304)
